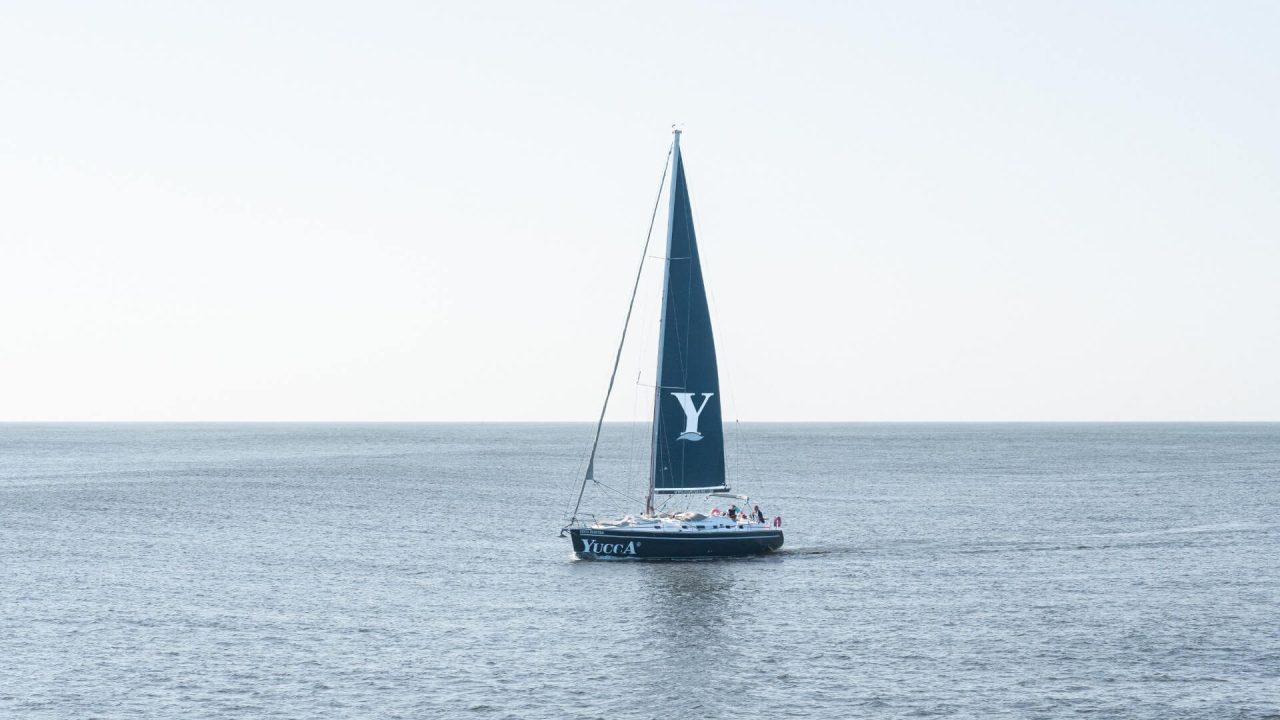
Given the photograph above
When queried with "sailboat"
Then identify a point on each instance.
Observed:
(686, 452)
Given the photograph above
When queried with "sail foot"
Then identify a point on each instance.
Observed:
(691, 491)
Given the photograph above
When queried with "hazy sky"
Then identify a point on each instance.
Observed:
(394, 211)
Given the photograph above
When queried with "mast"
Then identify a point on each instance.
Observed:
(662, 323)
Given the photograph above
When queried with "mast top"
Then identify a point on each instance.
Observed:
(676, 132)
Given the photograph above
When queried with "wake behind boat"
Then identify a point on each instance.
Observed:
(687, 444)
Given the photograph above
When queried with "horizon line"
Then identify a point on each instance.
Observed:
(625, 422)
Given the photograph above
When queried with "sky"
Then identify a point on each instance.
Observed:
(987, 211)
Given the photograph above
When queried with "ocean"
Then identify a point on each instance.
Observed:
(415, 571)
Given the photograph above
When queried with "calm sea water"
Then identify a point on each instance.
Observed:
(383, 571)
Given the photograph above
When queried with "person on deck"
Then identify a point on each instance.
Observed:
(758, 515)
(733, 513)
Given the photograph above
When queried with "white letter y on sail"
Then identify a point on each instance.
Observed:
(691, 414)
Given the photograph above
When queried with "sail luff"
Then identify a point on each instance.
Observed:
(662, 323)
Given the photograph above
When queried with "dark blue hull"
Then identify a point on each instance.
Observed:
(593, 543)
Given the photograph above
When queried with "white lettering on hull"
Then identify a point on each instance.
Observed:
(599, 548)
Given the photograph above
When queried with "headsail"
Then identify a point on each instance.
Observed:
(688, 437)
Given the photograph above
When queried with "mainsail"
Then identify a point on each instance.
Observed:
(688, 437)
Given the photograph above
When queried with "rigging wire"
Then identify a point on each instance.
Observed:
(618, 492)
(618, 356)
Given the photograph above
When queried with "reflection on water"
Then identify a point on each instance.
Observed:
(690, 610)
